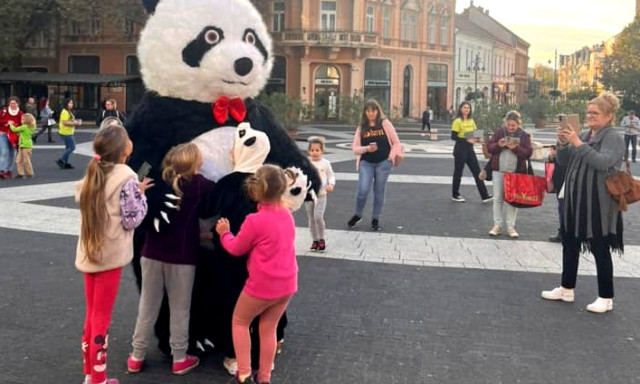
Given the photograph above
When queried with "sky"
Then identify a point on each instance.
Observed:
(565, 25)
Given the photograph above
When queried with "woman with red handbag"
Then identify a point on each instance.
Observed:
(510, 148)
(592, 219)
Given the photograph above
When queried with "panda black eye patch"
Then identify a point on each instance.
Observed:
(251, 37)
(208, 38)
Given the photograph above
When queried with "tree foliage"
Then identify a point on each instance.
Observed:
(621, 69)
(21, 19)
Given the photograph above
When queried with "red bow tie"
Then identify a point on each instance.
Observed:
(223, 107)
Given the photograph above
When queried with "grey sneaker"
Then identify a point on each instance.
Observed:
(458, 199)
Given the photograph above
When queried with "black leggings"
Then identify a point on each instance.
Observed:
(463, 154)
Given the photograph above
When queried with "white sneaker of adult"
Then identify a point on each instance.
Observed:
(495, 231)
(559, 293)
(601, 305)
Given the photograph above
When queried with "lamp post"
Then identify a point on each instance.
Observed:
(475, 66)
(555, 75)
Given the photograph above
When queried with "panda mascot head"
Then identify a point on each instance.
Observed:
(202, 49)
(202, 63)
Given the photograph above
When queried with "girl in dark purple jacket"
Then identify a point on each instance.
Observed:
(169, 260)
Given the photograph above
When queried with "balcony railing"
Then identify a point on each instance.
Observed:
(351, 39)
(98, 38)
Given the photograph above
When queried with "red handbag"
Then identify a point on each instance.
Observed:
(548, 175)
(524, 190)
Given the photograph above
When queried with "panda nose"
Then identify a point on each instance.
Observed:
(243, 66)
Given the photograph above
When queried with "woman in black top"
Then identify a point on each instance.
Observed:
(373, 144)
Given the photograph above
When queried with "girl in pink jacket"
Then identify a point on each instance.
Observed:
(268, 236)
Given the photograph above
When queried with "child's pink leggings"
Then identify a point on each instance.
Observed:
(270, 311)
(100, 290)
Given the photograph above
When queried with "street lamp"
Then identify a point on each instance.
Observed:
(555, 74)
(475, 66)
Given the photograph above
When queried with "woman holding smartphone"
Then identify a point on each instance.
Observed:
(510, 148)
(463, 153)
(592, 219)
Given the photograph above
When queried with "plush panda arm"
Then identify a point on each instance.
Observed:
(284, 151)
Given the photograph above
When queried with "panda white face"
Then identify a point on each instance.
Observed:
(201, 49)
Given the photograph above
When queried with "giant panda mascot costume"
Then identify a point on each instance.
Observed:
(202, 62)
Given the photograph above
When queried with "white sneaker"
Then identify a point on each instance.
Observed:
(231, 365)
(458, 199)
(559, 293)
(423, 134)
(495, 231)
(512, 233)
(600, 305)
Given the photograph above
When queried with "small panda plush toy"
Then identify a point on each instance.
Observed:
(202, 63)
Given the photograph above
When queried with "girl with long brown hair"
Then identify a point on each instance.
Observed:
(112, 204)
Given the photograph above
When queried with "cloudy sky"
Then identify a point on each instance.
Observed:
(567, 25)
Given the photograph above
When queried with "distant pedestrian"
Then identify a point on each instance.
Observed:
(9, 139)
(112, 205)
(426, 120)
(66, 130)
(592, 219)
(110, 110)
(168, 262)
(631, 126)
(268, 237)
(31, 107)
(316, 209)
(46, 122)
(25, 145)
(372, 143)
(557, 179)
(462, 130)
(510, 148)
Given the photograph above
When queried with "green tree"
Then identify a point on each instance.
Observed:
(287, 109)
(621, 69)
(21, 19)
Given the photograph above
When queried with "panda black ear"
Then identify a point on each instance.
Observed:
(150, 5)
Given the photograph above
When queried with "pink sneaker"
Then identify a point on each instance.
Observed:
(133, 365)
(185, 366)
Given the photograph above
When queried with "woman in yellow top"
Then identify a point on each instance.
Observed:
(66, 130)
(463, 153)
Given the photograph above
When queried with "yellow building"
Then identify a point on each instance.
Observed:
(400, 52)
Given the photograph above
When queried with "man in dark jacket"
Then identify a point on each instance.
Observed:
(426, 120)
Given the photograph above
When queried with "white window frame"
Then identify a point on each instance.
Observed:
(277, 24)
(370, 18)
(444, 28)
(328, 17)
(409, 25)
(386, 22)
(432, 20)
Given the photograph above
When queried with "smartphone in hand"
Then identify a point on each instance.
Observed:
(572, 120)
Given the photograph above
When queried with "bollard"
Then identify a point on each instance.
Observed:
(434, 135)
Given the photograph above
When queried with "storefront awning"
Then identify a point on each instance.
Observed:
(66, 78)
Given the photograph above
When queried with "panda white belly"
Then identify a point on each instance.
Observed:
(216, 146)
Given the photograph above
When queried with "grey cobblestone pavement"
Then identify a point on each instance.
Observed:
(430, 299)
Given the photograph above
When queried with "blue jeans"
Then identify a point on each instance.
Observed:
(372, 175)
(7, 153)
(633, 140)
(69, 147)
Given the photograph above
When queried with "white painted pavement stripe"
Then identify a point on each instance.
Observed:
(418, 250)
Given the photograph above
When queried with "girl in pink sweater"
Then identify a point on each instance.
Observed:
(268, 236)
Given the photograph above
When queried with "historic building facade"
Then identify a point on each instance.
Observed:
(501, 57)
(398, 52)
(102, 52)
